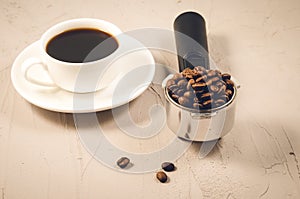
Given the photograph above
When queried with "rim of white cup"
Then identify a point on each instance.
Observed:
(47, 36)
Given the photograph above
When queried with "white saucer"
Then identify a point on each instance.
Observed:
(134, 83)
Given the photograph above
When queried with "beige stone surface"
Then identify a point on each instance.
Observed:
(41, 155)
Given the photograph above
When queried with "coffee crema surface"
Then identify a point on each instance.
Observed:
(76, 45)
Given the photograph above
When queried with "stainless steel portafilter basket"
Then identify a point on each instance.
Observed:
(193, 124)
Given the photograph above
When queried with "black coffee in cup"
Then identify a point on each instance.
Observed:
(76, 45)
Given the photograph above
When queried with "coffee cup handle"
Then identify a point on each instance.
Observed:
(31, 62)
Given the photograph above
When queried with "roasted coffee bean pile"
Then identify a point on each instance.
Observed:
(200, 89)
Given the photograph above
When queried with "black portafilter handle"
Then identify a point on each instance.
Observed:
(191, 40)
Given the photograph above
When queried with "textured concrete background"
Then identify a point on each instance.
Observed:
(257, 41)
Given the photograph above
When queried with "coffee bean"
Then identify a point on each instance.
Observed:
(226, 76)
(184, 101)
(220, 83)
(219, 75)
(188, 76)
(206, 103)
(227, 97)
(188, 87)
(201, 78)
(223, 97)
(219, 101)
(229, 83)
(123, 162)
(198, 86)
(218, 72)
(204, 72)
(197, 106)
(189, 94)
(228, 92)
(213, 88)
(195, 73)
(187, 71)
(206, 95)
(215, 79)
(211, 73)
(168, 166)
(209, 82)
(170, 82)
(191, 81)
(200, 92)
(174, 91)
(180, 92)
(175, 97)
(199, 68)
(161, 176)
(222, 89)
(173, 87)
(182, 83)
(177, 76)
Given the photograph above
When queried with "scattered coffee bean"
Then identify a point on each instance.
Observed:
(168, 166)
(199, 88)
(161, 176)
(123, 162)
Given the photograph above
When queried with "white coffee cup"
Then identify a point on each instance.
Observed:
(77, 77)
